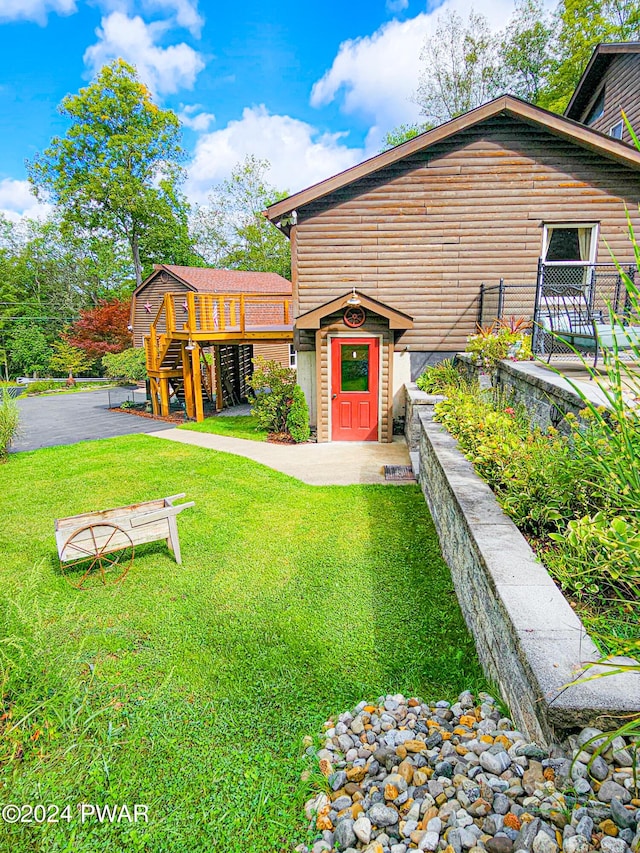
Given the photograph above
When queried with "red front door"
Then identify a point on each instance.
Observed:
(354, 389)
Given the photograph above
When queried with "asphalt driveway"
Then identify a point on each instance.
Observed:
(68, 418)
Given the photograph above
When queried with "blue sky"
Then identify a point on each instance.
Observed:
(312, 87)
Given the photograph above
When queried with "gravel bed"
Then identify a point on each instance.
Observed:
(403, 775)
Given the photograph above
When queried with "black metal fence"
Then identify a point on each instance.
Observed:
(603, 286)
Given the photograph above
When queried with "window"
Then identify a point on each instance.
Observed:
(596, 111)
(567, 251)
(292, 356)
(571, 243)
(616, 131)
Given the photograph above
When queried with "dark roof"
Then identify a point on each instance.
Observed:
(207, 280)
(601, 58)
(506, 105)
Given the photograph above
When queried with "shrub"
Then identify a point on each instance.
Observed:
(502, 339)
(43, 386)
(439, 377)
(9, 423)
(298, 417)
(129, 364)
(273, 386)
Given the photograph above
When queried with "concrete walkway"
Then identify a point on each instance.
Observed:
(339, 463)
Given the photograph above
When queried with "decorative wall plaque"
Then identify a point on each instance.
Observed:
(354, 316)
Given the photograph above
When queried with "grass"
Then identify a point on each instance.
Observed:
(237, 426)
(189, 688)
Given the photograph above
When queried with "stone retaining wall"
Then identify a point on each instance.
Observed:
(417, 402)
(529, 640)
(547, 396)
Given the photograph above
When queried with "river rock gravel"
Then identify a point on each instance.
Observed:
(404, 775)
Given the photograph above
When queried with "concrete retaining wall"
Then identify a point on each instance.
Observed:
(529, 640)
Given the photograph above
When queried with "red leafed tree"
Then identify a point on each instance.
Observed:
(101, 329)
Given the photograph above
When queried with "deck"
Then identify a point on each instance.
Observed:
(185, 323)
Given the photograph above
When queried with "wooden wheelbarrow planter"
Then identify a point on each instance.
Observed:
(98, 547)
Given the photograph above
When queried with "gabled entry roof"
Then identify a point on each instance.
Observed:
(505, 105)
(312, 319)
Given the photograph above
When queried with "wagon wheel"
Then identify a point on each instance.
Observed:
(99, 553)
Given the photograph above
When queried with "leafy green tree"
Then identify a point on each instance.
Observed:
(29, 350)
(461, 67)
(580, 25)
(403, 133)
(525, 50)
(232, 232)
(68, 359)
(117, 169)
(129, 364)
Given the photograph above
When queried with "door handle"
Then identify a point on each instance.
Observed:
(333, 396)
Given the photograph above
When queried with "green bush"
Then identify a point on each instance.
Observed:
(599, 555)
(273, 386)
(44, 385)
(298, 417)
(129, 364)
(440, 377)
(9, 423)
(503, 339)
(532, 473)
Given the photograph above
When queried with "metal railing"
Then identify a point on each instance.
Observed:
(602, 284)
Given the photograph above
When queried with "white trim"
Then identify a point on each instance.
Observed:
(354, 334)
(595, 234)
(618, 124)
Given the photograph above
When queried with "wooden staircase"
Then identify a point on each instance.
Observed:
(174, 354)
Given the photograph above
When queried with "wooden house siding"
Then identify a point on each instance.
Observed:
(273, 352)
(152, 294)
(423, 233)
(375, 327)
(621, 92)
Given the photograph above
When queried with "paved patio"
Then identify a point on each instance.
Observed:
(338, 463)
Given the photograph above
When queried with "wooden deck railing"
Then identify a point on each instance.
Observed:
(216, 317)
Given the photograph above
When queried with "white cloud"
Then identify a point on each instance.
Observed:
(17, 201)
(376, 75)
(163, 69)
(35, 10)
(396, 5)
(198, 121)
(184, 12)
(298, 153)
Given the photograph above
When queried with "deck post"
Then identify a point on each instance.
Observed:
(218, 370)
(187, 377)
(153, 388)
(197, 383)
(164, 396)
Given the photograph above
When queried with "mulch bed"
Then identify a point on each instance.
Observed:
(172, 419)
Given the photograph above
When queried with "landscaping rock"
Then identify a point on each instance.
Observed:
(459, 778)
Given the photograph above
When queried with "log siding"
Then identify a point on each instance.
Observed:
(621, 83)
(423, 233)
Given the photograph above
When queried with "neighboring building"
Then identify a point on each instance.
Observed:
(167, 278)
(210, 310)
(389, 256)
(610, 85)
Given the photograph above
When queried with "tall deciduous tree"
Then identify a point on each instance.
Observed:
(525, 50)
(581, 24)
(231, 230)
(461, 67)
(117, 169)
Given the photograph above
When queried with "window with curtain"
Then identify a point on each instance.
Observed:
(567, 250)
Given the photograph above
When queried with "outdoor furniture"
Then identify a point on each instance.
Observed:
(98, 547)
(565, 314)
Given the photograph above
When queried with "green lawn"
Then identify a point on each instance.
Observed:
(238, 426)
(189, 688)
